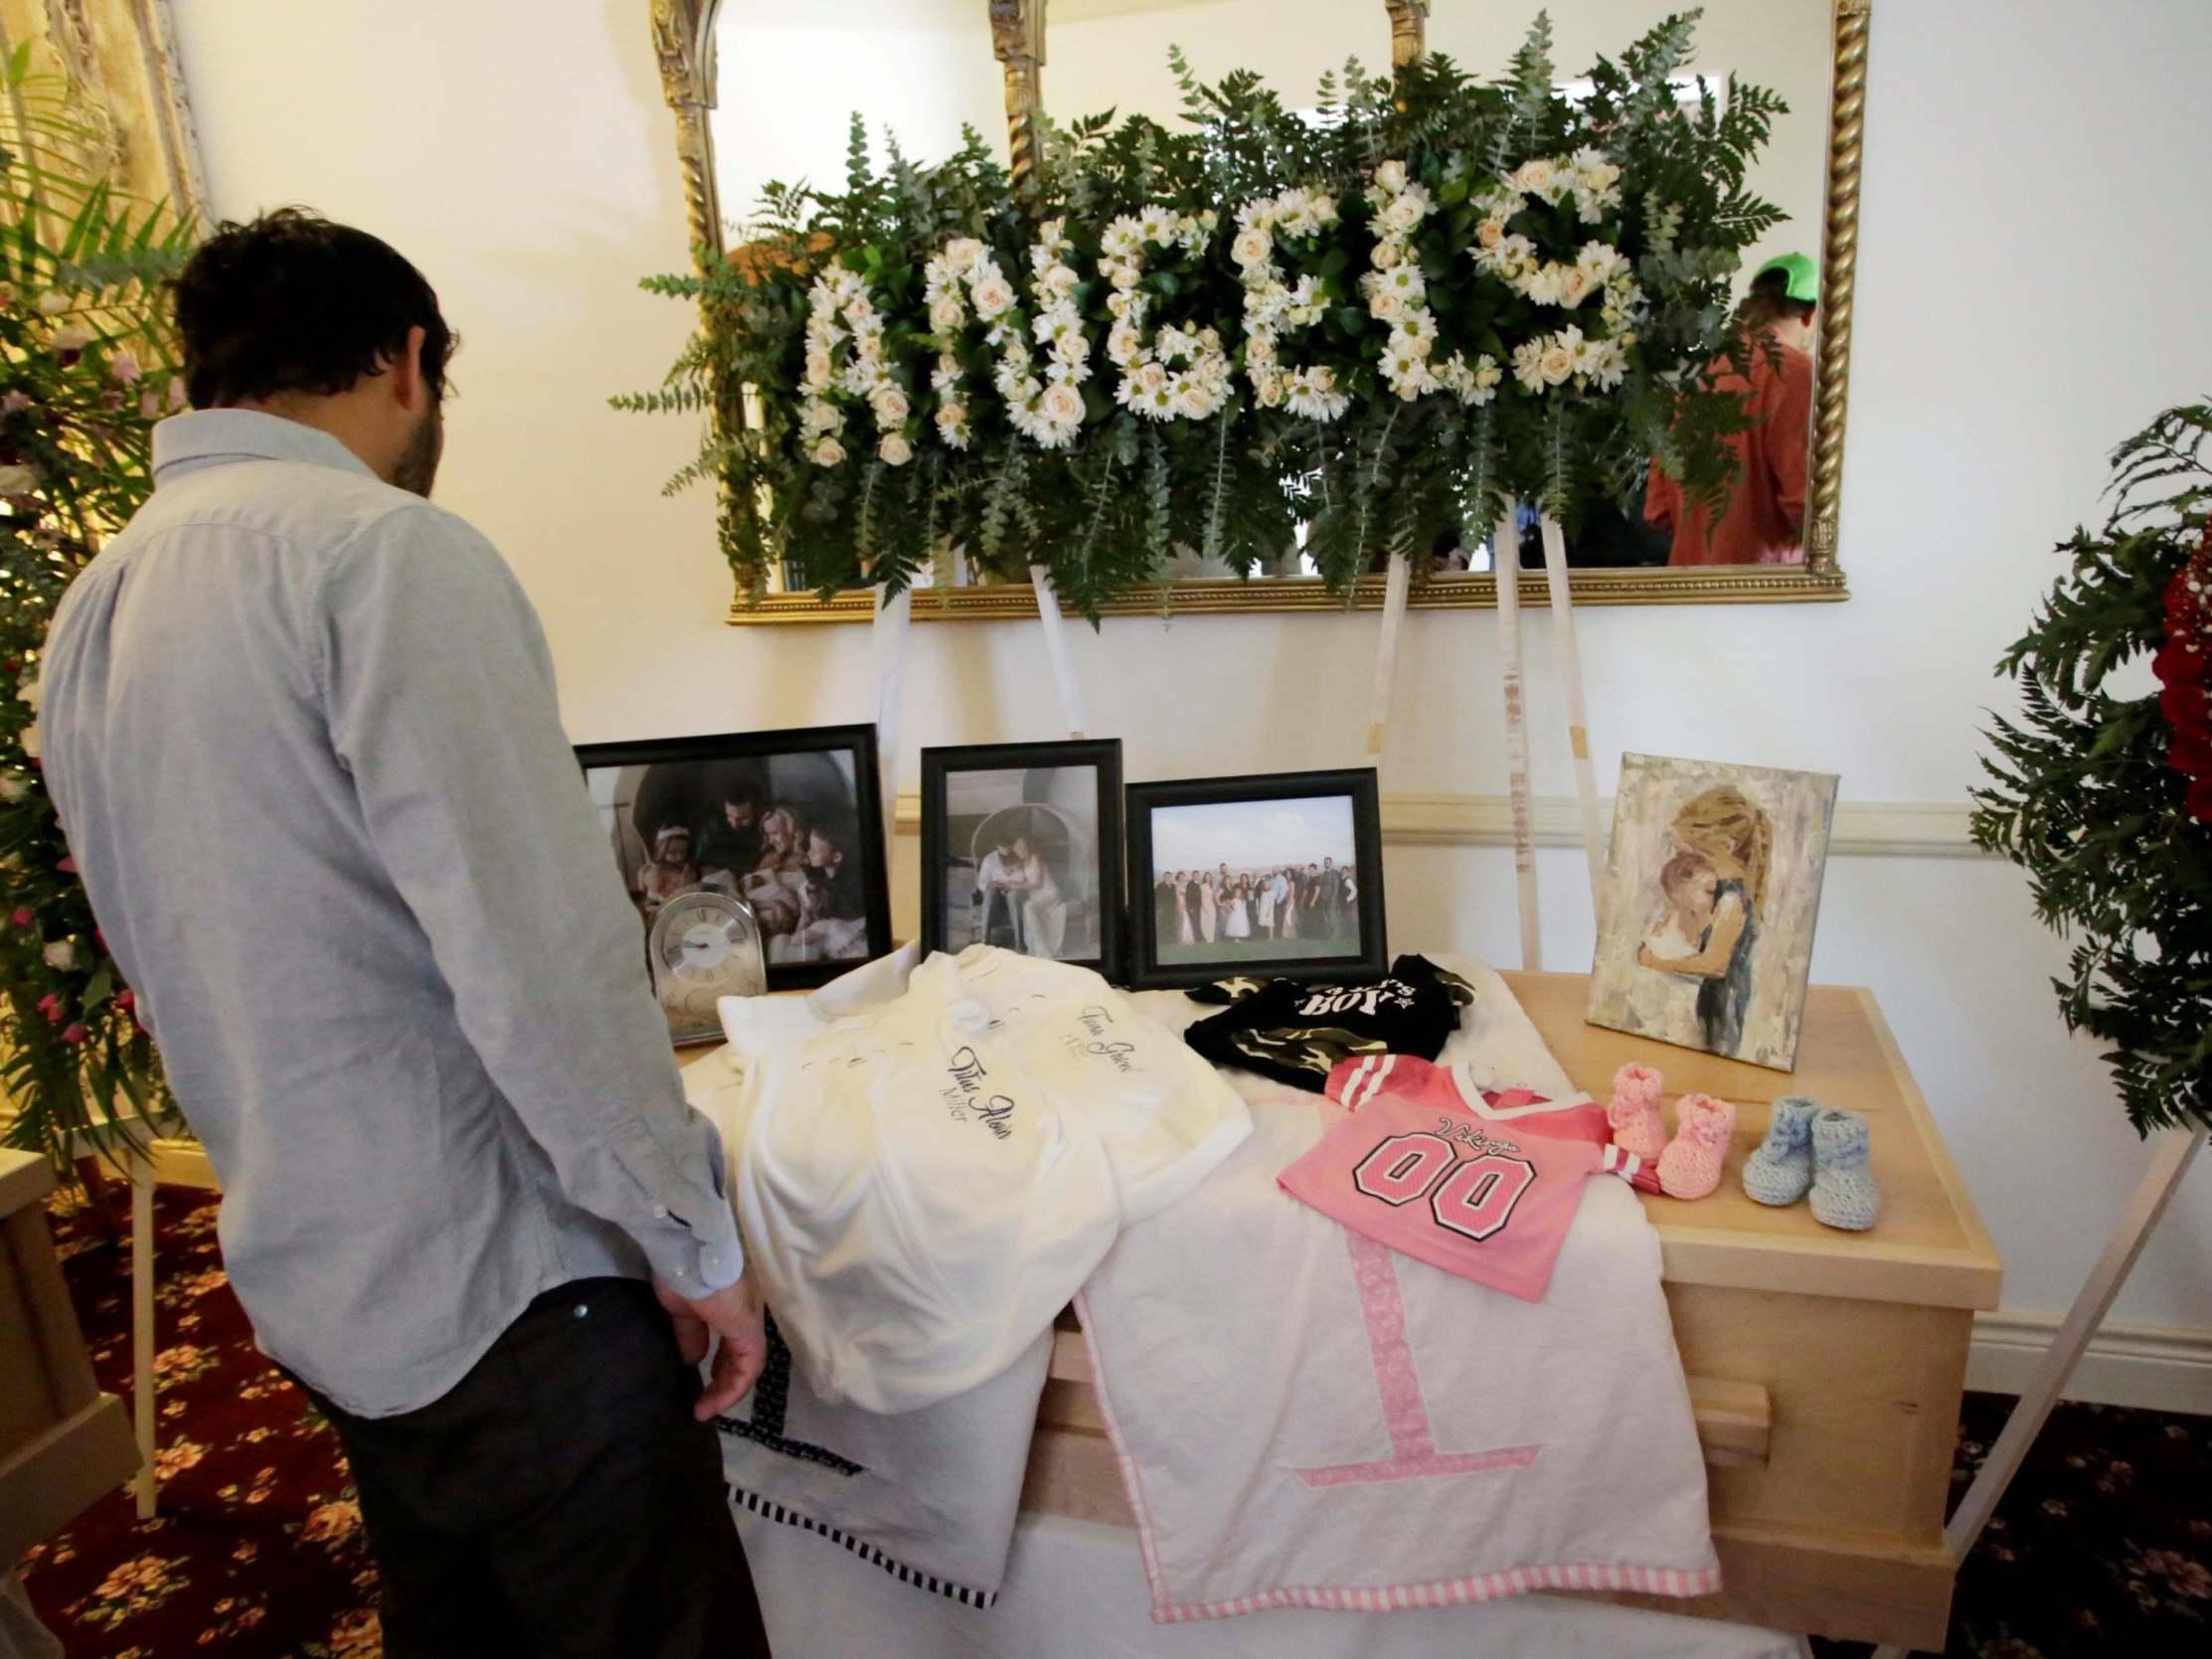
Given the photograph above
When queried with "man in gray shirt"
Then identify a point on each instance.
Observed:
(301, 729)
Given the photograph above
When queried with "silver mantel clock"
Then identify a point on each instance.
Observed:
(704, 945)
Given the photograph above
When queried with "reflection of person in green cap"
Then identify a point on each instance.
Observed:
(1764, 522)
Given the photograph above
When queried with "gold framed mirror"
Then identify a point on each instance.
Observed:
(767, 86)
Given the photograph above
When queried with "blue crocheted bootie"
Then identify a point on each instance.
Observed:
(1843, 1194)
(1780, 1170)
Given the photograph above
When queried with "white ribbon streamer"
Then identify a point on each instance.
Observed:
(1395, 591)
(1505, 563)
(1578, 719)
(888, 637)
(1056, 648)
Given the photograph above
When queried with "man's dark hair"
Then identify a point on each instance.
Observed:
(744, 792)
(291, 302)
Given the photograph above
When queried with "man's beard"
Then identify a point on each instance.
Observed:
(417, 470)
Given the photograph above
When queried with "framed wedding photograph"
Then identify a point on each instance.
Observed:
(1279, 873)
(1712, 890)
(788, 822)
(1021, 848)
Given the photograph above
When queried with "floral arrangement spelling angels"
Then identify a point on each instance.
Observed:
(1377, 321)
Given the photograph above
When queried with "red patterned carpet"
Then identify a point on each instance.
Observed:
(2103, 1547)
(258, 1548)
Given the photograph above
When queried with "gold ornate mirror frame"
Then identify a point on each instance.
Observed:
(119, 58)
(684, 40)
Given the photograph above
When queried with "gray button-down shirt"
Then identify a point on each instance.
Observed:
(301, 730)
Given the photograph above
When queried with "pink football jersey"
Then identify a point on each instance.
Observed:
(1483, 1184)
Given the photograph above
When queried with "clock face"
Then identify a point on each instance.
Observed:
(705, 944)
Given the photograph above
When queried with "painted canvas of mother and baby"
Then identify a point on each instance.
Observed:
(1711, 893)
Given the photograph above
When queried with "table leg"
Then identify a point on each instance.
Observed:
(142, 1324)
(2159, 1183)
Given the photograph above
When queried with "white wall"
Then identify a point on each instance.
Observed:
(2028, 213)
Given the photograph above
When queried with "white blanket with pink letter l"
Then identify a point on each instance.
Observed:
(1306, 1419)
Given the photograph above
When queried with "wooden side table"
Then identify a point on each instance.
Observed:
(63, 1442)
(1826, 1367)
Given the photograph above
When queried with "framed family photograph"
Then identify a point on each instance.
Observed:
(1712, 890)
(788, 823)
(1021, 848)
(1279, 873)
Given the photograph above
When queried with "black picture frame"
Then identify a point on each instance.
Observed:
(938, 855)
(1371, 954)
(736, 756)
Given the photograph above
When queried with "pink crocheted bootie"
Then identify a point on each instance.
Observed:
(1637, 1126)
(1690, 1167)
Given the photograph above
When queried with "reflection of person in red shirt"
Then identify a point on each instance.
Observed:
(1764, 522)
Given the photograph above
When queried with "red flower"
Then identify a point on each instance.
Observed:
(2179, 665)
(126, 1000)
(2176, 665)
(24, 918)
(74, 1034)
(50, 1004)
(67, 867)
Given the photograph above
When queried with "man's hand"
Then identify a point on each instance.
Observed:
(734, 1315)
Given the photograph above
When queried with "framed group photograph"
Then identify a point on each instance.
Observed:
(1279, 875)
(761, 846)
(1712, 890)
(1021, 848)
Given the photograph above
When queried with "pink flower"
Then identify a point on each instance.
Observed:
(67, 867)
(124, 367)
(126, 1000)
(23, 917)
(176, 392)
(50, 1004)
(15, 403)
(74, 1034)
(150, 406)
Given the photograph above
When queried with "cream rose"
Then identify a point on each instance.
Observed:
(1490, 234)
(993, 296)
(894, 449)
(1385, 304)
(1388, 252)
(828, 452)
(946, 314)
(1251, 248)
(52, 303)
(1391, 176)
(61, 954)
(1536, 176)
(890, 404)
(1062, 406)
(1404, 213)
(1556, 365)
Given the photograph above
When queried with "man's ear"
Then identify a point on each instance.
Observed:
(408, 386)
